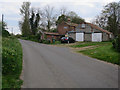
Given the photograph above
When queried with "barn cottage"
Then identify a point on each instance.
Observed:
(90, 32)
(79, 32)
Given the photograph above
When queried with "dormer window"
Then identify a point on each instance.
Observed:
(83, 25)
(65, 27)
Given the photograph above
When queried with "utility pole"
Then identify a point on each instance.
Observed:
(2, 21)
(12, 30)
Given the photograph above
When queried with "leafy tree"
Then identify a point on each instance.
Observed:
(61, 18)
(5, 33)
(77, 20)
(34, 22)
(24, 25)
(111, 12)
(109, 18)
(72, 15)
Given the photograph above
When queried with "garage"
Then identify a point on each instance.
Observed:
(79, 36)
(96, 37)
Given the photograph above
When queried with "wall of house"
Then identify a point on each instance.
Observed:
(105, 37)
(86, 29)
(61, 28)
(87, 36)
(50, 37)
(72, 35)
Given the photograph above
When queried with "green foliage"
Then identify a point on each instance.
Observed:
(11, 81)
(57, 42)
(53, 30)
(24, 25)
(77, 20)
(109, 18)
(5, 33)
(61, 18)
(11, 62)
(116, 43)
(72, 15)
(84, 44)
(105, 53)
(46, 41)
(18, 36)
(34, 22)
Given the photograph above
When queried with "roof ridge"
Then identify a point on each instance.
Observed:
(99, 28)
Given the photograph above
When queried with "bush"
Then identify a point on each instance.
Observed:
(46, 41)
(11, 56)
(18, 36)
(116, 43)
(5, 33)
(57, 42)
(11, 62)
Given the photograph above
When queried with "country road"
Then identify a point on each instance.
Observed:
(46, 66)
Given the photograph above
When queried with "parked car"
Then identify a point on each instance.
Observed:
(67, 40)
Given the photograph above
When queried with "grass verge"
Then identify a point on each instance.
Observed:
(84, 44)
(104, 52)
(11, 63)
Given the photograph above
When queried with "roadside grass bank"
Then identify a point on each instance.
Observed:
(11, 63)
(104, 52)
(85, 44)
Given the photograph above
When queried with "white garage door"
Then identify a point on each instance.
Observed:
(96, 37)
(79, 36)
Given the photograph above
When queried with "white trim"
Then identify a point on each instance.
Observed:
(79, 36)
(96, 37)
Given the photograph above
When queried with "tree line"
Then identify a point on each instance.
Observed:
(109, 18)
(46, 19)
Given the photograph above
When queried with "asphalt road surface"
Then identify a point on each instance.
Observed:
(46, 66)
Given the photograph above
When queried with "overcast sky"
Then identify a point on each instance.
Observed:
(86, 9)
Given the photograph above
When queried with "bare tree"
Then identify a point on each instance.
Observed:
(49, 17)
(63, 11)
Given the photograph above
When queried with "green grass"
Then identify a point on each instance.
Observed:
(84, 44)
(11, 63)
(104, 52)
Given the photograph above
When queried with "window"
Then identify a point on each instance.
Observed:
(83, 25)
(65, 27)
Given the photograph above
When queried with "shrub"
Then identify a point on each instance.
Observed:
(11, 62)
(11, 56)
(46, 41)
(57, 42)
(5, 33)
(116, 43)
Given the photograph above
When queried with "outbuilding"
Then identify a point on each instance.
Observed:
(90, 32)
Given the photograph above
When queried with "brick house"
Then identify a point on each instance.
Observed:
(80, 32)
(50, 36)
(64, 27)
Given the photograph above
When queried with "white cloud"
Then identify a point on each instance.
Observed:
(14, 29)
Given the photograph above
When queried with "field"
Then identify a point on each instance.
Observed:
(105, 53)
(100, 50)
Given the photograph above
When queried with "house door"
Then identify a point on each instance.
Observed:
(79, 36)
(96, 37)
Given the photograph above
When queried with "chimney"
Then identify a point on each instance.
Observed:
(69, 20)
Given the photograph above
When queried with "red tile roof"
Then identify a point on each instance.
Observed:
(51, 33)
(96, 27)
